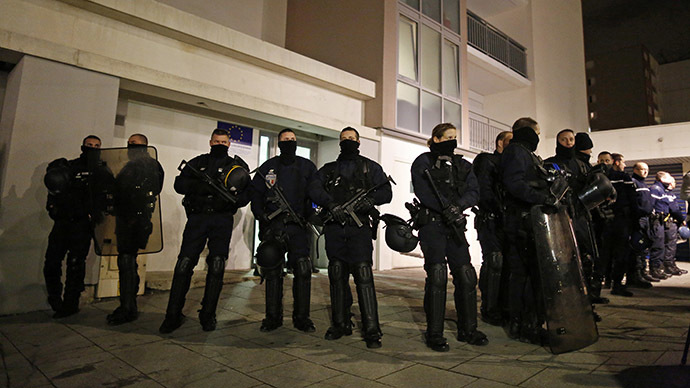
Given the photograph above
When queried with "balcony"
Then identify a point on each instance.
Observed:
(483, 132)
(497, 63)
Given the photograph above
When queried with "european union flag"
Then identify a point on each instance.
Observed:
(238, 134)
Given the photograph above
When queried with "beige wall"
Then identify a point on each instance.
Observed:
(262, 19)
(49, 108)
(349, 35)
(559, 66)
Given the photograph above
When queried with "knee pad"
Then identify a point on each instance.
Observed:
(302, 267)
(270, 255)
(216, 265)
(437, 275)
(467, 277)
(336, 270)
(185, 266)
(75, 262)
(126, 262)
(496, 261)
(362, 273)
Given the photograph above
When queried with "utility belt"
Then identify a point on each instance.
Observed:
(426, 216)
(204, 205)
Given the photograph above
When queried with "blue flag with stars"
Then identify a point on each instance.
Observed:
(238, 134)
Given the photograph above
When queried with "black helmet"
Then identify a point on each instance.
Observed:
(57, 177)
(269, 255)
(598, 190)
(399, 235)
(236, 178)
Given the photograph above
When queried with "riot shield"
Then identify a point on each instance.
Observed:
(569, 317)
(132, 220)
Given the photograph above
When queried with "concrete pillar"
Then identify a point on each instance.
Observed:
(48, 109)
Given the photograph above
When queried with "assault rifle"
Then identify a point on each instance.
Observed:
(458, 233)
(284, 207)
(351, 204)
(215, 184)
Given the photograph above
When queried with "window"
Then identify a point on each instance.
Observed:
(428, 88)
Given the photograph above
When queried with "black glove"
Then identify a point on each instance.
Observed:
(339, 214)
(551, 204)
(364, 205)
(452, 214)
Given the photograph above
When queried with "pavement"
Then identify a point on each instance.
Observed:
(641, 342)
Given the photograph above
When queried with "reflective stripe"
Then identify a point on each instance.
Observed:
(642, 189)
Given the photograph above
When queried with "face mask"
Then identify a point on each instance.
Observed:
(288, 150)
(219, 150)
(445, 147)
(90, 153)
(527, 137)
(349, 148)
(564, 152)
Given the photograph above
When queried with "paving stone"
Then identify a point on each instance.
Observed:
(499, 369)
(567, 378)
(426, 376)
(369, 365)
(297, 373)
(348, 381)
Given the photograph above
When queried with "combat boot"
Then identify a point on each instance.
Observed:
(435, 306)
(368, 306)
(619, 289)
(301, 292)
(184, 269)
(341, 323)
(129, 285)
(465, 295)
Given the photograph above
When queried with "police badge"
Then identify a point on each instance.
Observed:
(271, 177)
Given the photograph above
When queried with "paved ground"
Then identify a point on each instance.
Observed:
(641, 343)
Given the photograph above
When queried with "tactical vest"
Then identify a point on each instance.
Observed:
(450, 176)
(342, 188)
(209, 202)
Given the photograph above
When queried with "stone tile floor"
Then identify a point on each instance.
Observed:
(641, 343)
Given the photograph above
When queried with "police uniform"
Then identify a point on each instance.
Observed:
(524, 180)
(73, 207)
(297, 179)
(209, 222)
(671, 233)
(488, 223)
(660, 215)
(349, 247)
(615, 238)
(442, 247)
(137, 186)
(642, 230)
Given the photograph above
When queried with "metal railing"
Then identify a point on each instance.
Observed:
(483, 132)
(494, 43)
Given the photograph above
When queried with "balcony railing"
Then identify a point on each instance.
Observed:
(483, 132)
(494, 43)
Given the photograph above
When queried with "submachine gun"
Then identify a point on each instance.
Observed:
(284, 207)
(458, 232)
(215, 184)
(351, 204)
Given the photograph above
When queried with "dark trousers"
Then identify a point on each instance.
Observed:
(71, 238)
(656, 251)
(524, 288)
(214, 228)
(615, 246)
(439, 246)
(670, 240)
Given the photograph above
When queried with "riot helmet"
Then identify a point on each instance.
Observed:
(399, 235)
(57, 178)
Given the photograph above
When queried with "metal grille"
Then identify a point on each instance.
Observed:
(494, 43)
(483, 132)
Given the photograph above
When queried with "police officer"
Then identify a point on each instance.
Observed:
(137, 186)
(446, 186)
(348, 245)
(642, 232)
(660, 216)
(488, 223)
(594, 267)
(671, 229)
(605, 158)
(615, 245)
(284, 229)
(69, 204)
(209, 219)
(524, 180)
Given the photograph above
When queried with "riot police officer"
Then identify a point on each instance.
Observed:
(525, 181)
(349, 232)
(615, 246)
(283, 227)
(488, 223)
(446, 186)
(70, 205)
(671, 226)
(210, 213)
(136, 187)
(661, 216)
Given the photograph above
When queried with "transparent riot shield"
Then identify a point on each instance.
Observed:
(130, 220)
(569, 317)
